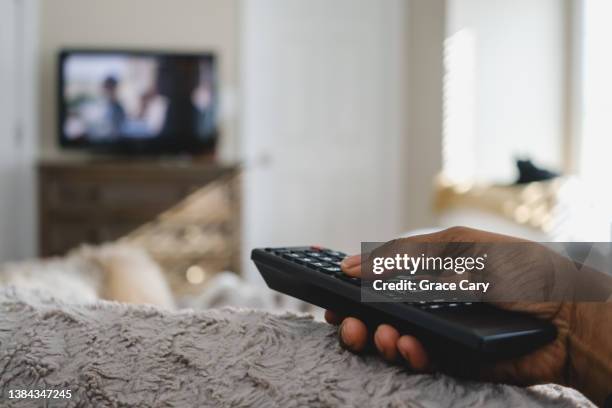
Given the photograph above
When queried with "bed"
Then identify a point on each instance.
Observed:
(111, 354)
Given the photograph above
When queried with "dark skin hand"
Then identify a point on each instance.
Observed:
(547, 364)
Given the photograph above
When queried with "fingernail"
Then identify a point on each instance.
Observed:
(341, 337)
(377, 344)
(351, 261)
(406, 358)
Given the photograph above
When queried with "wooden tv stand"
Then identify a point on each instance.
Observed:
(94, 200)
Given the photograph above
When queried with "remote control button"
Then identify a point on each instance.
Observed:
(320, 264)
(331, 270)
(314, 254)
(327, 258)
(292, 256)
(304, 260)
(336, 254)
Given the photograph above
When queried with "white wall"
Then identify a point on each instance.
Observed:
(519, 54)
(7, 129)
(596, 144)
(149, 24)
(422, 152)
(594, 81)
(17, 129)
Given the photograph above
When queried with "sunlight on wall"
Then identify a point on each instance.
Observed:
(597, 131)
(596, 144)
(458, 138)
(504, 94)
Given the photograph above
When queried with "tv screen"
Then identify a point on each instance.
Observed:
(138, 101)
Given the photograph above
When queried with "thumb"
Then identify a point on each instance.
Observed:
(351, 265)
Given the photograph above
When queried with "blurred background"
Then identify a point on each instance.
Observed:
(327, 122)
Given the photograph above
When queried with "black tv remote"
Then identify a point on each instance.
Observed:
(452, 330)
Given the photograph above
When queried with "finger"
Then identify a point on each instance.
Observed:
(333, 317)
(355, 272)
(385, 339)
(351, 265)
(353, 334)
(413, 351)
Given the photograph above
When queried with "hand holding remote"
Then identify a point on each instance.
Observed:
(581, 329)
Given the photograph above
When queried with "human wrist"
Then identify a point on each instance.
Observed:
(589, 353)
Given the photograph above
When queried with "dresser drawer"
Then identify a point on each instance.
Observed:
(118, 194)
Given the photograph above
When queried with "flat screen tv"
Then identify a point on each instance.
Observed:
(138, 101)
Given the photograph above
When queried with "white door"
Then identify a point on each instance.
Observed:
(322, 122)
(17, 124)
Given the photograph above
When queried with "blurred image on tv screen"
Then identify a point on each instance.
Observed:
(109, 97)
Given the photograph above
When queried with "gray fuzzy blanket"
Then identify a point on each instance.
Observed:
(111, 355)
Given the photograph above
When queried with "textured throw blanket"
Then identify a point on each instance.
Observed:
(110, 354)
